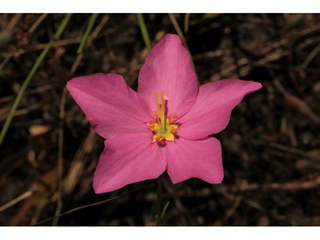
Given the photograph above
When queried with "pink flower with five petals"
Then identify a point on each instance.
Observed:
(163, 126)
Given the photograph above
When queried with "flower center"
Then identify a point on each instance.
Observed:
(163, 129)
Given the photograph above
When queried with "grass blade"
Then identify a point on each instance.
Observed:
(186, 22)
(86, 34)
(164, 213)
(32, 72)
(144, 31)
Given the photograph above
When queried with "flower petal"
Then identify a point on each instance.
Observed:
(112, 107)
(211, 112)
(195, 159)
(128, 159)
(168, 68)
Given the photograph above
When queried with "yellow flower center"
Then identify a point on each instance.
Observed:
(163, 129)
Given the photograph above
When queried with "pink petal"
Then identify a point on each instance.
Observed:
(168, 68)
(112, 107)
(195, 159)
(211, 112)
(128, 159)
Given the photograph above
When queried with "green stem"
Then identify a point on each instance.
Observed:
(186, 22)
(32, 72)
(144, 31)
(158, 216)
(164, 212)
(86, 34)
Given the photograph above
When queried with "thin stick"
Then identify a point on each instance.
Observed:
(183, 40)
(310, 57)
(13, 22)
(16, 200)
(36, 24)
(281, 186)
(76, 63)
(178, 30)
(60, 160)
(6, 59)
(32, 72)
(96, 31)
(90, 38)
(86, 206)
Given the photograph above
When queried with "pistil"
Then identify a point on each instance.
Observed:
(163, 129)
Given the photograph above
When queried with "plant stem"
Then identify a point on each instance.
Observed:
(32, 72)
(158, 216)
(144, 31)
(86, 34)
(186, 22)
(164, 211)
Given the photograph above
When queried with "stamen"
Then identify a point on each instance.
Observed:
(155, 113)
(161, 113)
(157, 103)
(163, 116)
(174, 116)
(163, 101)
(173, 130)
(163, 129)
(158, 138)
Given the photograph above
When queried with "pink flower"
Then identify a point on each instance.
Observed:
(163, 126)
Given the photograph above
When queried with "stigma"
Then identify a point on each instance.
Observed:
(163, 129)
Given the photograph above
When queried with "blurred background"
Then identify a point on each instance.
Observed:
(271, 147)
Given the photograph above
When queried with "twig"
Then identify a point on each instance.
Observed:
(310, 57)
(42, 46)
(13, 22)
(295, 151)
(293, 79)
(16, 200)
(27, 93)
(183, 40)
(93, 35)
(287, 68)
(277, 83)
(36, 24)
(6, 59)
(60, 160)
(232, 210)
(86, 206)
(77, 164)
(282, 186)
